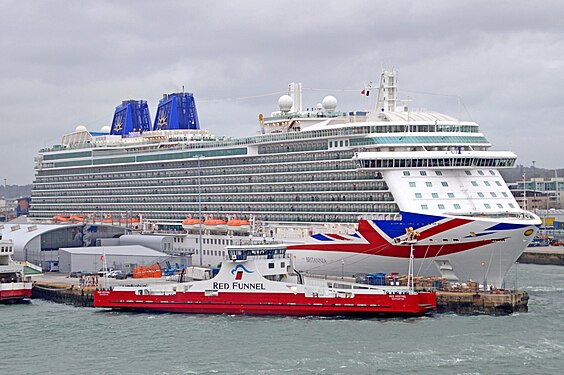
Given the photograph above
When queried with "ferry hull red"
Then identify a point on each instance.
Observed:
(270, 303)
(13, 295)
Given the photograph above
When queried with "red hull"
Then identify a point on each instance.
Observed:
(270, 303)
(14, 295)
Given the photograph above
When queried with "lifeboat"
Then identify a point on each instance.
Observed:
(60, 219)
(215, 224)
(239, 225)
(76, 219)
(191, 223)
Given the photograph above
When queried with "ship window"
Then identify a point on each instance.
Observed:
(435, 195)
(457, 206)
(282, 264)
(511, 205)
(340, 143)
(481, 195)
(451, 195)
(406, 173)
(438, 173)
(474, 183)
(499, 205)
(418, 195)
(468, 173)
(412, 184)
(444, 183)
(330, 143)
(487, 183)
(270, 265)
(441, 206)
(504, 194)
(493, 194)
(492, 172)
(498, 183)
(487, 206)
(424, 207)
(423, 173)
(429, 184)
(481, 173)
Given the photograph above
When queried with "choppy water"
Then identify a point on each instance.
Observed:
(48, 338)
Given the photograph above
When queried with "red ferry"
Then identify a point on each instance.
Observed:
(261, 280)
(14, 286)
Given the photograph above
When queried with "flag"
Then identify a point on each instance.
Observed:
(363, 92)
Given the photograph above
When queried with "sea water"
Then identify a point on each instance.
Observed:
(47, 338)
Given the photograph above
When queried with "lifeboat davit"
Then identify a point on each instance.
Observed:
(191, 223)
(239, 225)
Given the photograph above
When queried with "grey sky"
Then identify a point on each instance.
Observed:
(65, 63)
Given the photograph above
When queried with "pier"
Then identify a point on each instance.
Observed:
(553, 255)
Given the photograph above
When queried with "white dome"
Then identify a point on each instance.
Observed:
(285, 103)
(319, 106)
(80, 128)
(105, 129)
(329, 103)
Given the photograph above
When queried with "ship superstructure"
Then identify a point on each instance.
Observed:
(307, 171)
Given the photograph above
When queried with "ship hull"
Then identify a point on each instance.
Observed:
(288, 304)
(14, 292)
(459, 249)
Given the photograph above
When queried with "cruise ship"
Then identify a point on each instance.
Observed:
(349, 191)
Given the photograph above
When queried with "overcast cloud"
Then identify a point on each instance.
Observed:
(66, 63)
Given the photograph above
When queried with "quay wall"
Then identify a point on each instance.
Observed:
(553, 255)
(61, 293)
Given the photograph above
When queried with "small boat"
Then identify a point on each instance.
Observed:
(14, 286)
(215, 224)
(238, 225)
(191, 223)
(261, 280)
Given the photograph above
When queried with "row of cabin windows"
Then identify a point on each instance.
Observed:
(216, 241)
(5, 249)
(451, 195)
(217, 253)
(457, 206)
(340, 143)
(440, 173)
(445, 184)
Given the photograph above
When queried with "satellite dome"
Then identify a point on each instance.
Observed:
(319, 106)
(285, 103)
(105, 129)
(329, 103)
(80, 128)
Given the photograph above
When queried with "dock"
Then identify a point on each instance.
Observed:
(553, 255)
(61, 289)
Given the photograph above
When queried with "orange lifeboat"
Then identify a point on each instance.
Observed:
(76, 219)
(215, 224)
(191, 223)
(239, 225)
(60, 219)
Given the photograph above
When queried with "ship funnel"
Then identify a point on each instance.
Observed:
(177, 111)
(130, 117)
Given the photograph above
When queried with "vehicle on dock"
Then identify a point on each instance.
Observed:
(261, 280)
